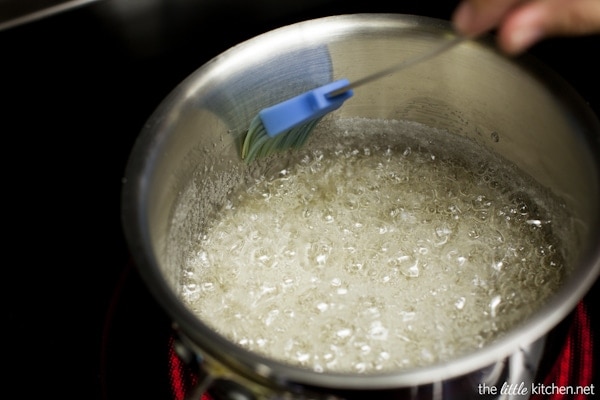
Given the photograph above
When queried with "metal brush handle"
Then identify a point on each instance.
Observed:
(447, 45)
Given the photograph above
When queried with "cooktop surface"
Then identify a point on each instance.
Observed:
(77, 87)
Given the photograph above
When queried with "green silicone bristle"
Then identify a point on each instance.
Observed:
(257, 143)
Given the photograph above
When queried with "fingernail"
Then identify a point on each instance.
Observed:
(463, 17)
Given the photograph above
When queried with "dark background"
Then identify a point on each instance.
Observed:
(76, 89)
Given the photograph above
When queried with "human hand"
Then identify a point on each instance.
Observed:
(522, 23)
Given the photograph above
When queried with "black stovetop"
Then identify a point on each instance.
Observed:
(77, 87)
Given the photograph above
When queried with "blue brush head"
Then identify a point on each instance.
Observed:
(288, 124)
(304, 108)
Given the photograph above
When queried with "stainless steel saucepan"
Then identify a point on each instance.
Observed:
(516, 108)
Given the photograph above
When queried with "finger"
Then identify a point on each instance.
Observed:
(472, 17)
(540, 19)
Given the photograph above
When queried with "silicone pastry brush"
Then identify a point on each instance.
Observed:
(289, 123)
